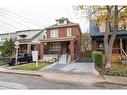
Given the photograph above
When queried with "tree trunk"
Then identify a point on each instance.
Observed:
(112, 39)
(106, 37)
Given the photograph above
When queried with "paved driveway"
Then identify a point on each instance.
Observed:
(82, 68)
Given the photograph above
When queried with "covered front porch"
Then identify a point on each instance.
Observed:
(28, 47)
(119, 51)
(62, 50)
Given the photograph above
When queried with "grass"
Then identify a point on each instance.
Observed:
(2, 63)
(31, 66)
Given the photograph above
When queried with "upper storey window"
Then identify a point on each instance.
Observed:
(69, 33)
(23, 36)
(54, 33)
(61, 22)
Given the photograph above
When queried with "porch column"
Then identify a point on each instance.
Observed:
(28, 48)
(72, 50)
(126, 45)
(41, 50)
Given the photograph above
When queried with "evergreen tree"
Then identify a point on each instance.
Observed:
(8, 48)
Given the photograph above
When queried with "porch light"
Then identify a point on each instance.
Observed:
(45, 43)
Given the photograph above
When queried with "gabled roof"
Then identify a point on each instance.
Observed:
(95, 32)
(62, 18)
(69, 23)
(8, 33)
(28, 30)
(63, 25)
(31, 39)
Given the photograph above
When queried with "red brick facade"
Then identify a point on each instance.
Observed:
(63, 31)
(69, 44)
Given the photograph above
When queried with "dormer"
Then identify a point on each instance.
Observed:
(62, 21)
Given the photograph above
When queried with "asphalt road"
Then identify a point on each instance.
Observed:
(15, 81)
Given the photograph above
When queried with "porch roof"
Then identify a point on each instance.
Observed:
(95, 32)
(58, 39)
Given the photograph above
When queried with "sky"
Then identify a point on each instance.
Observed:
(42, 14)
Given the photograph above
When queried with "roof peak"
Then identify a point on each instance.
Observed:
(62, 18)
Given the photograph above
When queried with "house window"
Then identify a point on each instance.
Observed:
(3, 39)
(69, 33)
(102, 28)
(61, 22)
(55, 47)
(23, 36)
(101, 44)
(54, 33)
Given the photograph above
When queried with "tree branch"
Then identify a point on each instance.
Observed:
(122, 8)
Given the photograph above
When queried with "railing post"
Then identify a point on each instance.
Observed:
(121, 46)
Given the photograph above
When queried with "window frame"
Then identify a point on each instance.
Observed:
(54, 33)
(69, 32)
(61, 21)
(55, 47)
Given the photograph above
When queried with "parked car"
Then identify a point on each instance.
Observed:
(22, 58)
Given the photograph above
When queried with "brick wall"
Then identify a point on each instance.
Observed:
(63, 31)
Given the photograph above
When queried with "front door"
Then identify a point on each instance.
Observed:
(68, 48)
(124, 45)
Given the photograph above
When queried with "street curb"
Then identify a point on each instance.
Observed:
(11, 72)
(47, 75)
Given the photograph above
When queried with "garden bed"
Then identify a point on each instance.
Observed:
(117, 69)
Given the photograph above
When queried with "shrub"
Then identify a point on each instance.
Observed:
(97, 58)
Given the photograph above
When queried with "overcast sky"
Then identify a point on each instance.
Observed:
(38, 12)
(43, 12)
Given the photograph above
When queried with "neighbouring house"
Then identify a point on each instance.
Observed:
(7, 36)
(29, 40)
(120, 43)
(61, 42)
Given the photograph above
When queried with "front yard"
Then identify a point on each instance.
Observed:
(31, 66)
(117, 69)
(2, 63)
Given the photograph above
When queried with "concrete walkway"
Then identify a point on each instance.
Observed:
(91, 79)
(76, 68)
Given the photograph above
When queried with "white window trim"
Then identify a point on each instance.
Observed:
(54, 33)
(69, 32)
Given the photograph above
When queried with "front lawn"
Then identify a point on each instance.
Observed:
(2, 63)
(31, 66)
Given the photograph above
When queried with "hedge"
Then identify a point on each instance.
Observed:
(97, 58)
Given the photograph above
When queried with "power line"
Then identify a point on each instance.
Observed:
(8, 24)
(69, 12)
(14, 20)
(7, 28)
(28, 20)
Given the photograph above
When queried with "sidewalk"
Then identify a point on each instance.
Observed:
(68, 77)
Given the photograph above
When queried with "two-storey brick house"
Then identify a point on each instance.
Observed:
(62, 41)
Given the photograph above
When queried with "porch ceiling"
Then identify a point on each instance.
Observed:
(58, 39)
